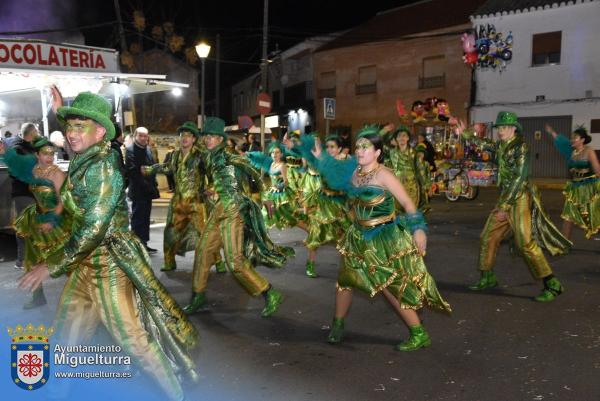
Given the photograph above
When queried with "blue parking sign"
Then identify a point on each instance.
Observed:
(329, 108)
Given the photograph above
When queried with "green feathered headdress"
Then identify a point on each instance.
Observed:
(403, 128)
(295, 134)
(275, 145)
(332, 137)
(372, 129)
(40, 142)
(583, 133)
(421, 148)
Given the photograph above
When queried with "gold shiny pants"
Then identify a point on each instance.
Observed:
(519, 221)
(225, 229)
(99, 292)
(182, 214)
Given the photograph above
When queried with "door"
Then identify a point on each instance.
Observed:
(546, 161)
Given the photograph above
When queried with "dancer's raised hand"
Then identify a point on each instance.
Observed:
(57, 99)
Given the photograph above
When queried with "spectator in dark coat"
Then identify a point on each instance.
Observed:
(21, 195)
(251, 145)
(142, 189)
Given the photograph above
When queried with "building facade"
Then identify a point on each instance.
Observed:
(289, 83)
(165, 111)
(553, 77)
(409, 53)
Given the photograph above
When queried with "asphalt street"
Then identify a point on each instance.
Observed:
(497, 345)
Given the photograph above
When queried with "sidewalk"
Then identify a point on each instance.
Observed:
(165, 198)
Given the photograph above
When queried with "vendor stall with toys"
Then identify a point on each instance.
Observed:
(461, 165)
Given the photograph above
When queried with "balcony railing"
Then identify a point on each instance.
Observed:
(366, 89)
(432, 82)
(329, 92)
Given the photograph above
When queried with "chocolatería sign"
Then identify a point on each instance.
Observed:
(31, 54)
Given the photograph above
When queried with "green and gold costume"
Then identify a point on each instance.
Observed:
(284, 210)
(110, 279)
(39, 245)
(235, 223)
(327, 217)
(377, 249)
(527, 220)
(186, 216)
(378, 252)
(412, 172)
(295, 171)
(582, 192)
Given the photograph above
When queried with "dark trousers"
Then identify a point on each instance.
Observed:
(140, 218)
(171, 182)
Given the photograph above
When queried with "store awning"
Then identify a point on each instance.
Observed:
(70, 83)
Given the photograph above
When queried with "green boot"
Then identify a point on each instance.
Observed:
(273, 299)
(310, 269)
(337, 331)
(37, 299)
(487, 280)
(418, 339)
(552, 289)
(220, 267)
(197, 302)
(166, 268)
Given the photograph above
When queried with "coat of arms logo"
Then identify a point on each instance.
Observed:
(30, 355)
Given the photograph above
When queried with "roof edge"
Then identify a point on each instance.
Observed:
(525, 10)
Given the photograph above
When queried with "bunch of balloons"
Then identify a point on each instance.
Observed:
(485, 48)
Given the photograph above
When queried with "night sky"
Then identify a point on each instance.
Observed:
(238, 22)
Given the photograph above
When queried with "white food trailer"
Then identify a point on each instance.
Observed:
(29, 67)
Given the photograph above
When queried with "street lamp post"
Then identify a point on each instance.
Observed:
(202, 49)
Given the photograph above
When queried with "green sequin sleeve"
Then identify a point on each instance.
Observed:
(514, 174)
(103, 188)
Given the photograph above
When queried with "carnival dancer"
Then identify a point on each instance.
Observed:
(43, 225)
(519, 210)
(582, 192)
(186, 216)
(235, 223)
(295, 171)
(279, 201)
(381, 252)
(409, 168)
(325, 209)
(109, 277)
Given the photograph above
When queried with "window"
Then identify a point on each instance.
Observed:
(327, 84)
(595, 126)
(367, 80)
(546, 48)
(434, 73)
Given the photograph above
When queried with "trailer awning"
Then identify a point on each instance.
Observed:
(70, 83)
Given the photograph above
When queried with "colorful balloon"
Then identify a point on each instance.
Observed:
(468, 42)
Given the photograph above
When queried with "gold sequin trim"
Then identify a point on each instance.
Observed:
(377, 221)
(372, 202)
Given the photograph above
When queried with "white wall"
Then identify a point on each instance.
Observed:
(578, 71)
(580, 111)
